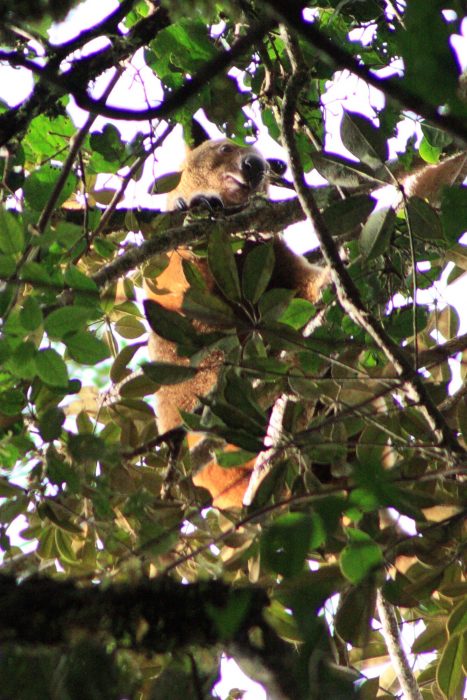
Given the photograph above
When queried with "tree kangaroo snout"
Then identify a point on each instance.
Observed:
(221, 173)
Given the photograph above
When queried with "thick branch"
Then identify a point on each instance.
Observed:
(173, 616)
(441, 353)
(191, 87)
(268, 217)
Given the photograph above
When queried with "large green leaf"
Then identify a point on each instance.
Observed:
(85, 348)
(51, 368)
(257, 271)
(39, 185)
(364, 139)
(376, 234)
(11, 232)
(223, 265)
(360, 556)
(66, 320)
(285, 544)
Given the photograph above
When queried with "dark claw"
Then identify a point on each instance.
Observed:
(211, 202)
(181, 204)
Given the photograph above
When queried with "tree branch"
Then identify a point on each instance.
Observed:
(15, 121)
(290, 12)
(265, 216)
(440, 353)
(347, 292)
(400, 663)
(173, 616)
(191, 87)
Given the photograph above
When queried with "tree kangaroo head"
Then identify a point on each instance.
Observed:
(222, 169)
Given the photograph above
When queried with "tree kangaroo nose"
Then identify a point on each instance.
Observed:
(254, 168)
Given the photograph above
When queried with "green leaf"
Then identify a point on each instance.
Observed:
(50, 424)
(165, 183)
(457, 622)
(31, 314)
(362, 138)
(48, 137)
(51, 368)
(342, 171)
(8, 490)
(222, 264)
(104, 247)
(179, 49)
(285, 544)
(430, 69)
(86, 447)
(66, 320)
(433, 637)
(85, 348)
(345, 215)
(107, 149)
(119, 369)
(429, 153)
(360, 556)
(168, 324)
(448, 322)
(235, 458)
(450, 675)
(79, 281)
(228, 619)
(168, 373)
(435, 137)
(22, 362)
(257, 271)
(454, 212)
(274, 303)
(7, 264)
(11, 232)
(11, 402)
(424, 222)
(298, 313)
(376, 234)
(137, 387)
(208, 308)
(235, 417)
(355, 612)
(129, 327)
(35, 273)
(40, 183)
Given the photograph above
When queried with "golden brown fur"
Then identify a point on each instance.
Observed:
(230, 173)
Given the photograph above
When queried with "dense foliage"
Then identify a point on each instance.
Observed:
(141, 587)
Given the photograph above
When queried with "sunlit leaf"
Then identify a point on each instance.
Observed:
(360, 556)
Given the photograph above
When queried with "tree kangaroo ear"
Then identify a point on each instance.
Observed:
(278, 166)
(194, 134)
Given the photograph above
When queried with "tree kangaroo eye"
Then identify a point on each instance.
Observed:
(226, 148)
